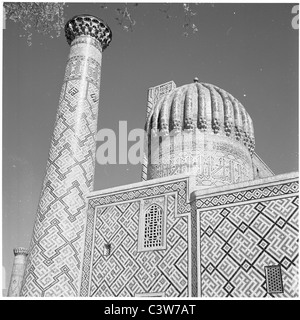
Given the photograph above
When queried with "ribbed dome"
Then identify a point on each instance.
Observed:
(203, 106)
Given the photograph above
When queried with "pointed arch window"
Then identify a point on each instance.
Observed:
(152, 229)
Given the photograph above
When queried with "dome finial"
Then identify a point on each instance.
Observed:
(196, 79)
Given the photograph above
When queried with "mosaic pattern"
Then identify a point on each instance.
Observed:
(154, 94)
(17, 274)
(248, 194)
(195, 255)
(144, 168)
(135, 194)
(180, 186)
(238, 242)
(55, 253)
(75, 67)
(127, 272)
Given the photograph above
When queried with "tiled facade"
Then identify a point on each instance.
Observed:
(130, 270)
(242, 232)
(17, 274)
(220, 246)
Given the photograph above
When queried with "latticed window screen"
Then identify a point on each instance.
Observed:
(274, 279)
(153, 227)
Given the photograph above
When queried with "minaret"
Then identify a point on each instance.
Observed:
(17, 273)
(56, 248)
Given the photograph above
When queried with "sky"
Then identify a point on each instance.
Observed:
(249, 50)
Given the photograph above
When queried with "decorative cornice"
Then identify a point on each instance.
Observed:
(20, 251)
(85, 24)
(291, 179)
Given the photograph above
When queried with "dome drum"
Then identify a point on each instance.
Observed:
(214, 160)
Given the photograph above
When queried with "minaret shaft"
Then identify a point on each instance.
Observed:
(17, 273)
(55, 253)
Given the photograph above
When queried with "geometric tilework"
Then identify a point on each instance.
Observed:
(17, 272)
(238, 242)
(154, 94)
(54, 259)
(76, 65)
(179, 185)
(254, 193)
(127, 271)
